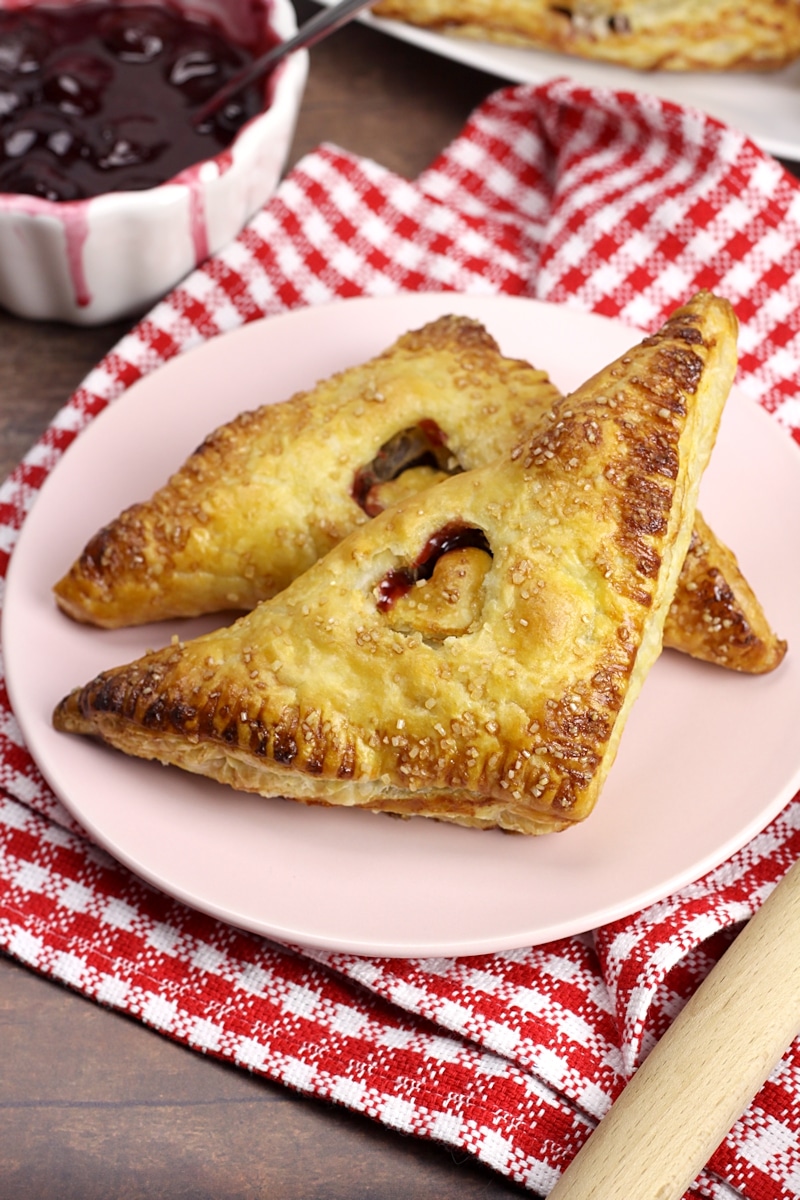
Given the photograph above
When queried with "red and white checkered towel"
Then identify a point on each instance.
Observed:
(619, 204)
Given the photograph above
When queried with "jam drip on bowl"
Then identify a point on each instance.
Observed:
(421, 445)
(400, 581)
(99, 98)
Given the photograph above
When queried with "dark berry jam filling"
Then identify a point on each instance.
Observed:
(420, 445)
(455, 536)
(100, 98)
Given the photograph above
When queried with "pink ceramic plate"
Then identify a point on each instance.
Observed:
(707, 759)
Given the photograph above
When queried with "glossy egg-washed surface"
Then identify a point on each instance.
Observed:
(245, 515)
(326, 695)
(100, 98)
(663, 35)
(716, 615)
(269, 493)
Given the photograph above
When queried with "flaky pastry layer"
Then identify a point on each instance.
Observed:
(664, 35)
(718, 617)
(560, 560)
(275, 489)
(272, 491)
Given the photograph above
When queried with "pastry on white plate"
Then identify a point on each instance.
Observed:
(647, 35)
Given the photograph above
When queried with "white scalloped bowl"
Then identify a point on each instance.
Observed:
(90, 261)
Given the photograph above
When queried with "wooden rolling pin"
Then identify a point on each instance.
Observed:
(703, 1073)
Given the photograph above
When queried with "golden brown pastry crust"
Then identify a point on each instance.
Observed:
(665, 35)
(569, 549)
(272, 491)
(715, 616)
(269, 493)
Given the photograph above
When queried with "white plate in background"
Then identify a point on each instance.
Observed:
(763, 105)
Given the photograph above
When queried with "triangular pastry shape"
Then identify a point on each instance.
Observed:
(715, 615)
(272, 491)
(275, 489)
(473, 652)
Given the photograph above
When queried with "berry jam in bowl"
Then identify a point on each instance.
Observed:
(110, 191)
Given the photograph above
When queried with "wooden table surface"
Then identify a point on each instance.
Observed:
(93, 1105)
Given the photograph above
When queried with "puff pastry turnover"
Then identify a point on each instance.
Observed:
(717, 616)
(473, 652)
(664, 35)
(269, 493)
(274, 490)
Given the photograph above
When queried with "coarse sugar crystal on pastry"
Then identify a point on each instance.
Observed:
(273, 490)
(715, 614)
(472, 653)
(646, 35)
(270, 492)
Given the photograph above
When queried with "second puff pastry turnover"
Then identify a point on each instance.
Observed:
(272, 491)
(472, 653)
(669, 35)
